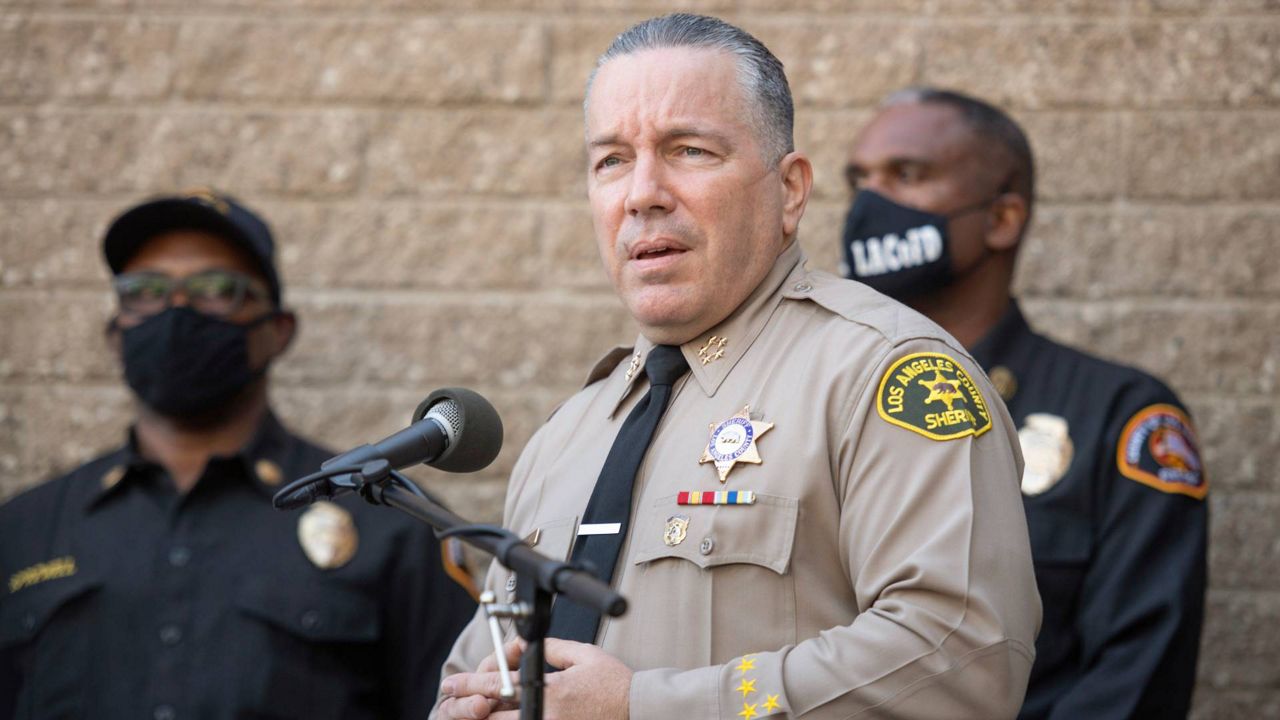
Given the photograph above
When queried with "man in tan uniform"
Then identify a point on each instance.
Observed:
(826, 523)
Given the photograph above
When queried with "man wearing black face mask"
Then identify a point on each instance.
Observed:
(158, 581)
(1113, 487)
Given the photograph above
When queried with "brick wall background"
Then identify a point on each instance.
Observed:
(422, 165)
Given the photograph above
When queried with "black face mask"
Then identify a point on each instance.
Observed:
(182, 363)
(900, 251)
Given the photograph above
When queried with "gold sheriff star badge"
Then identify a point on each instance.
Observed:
(734, 441)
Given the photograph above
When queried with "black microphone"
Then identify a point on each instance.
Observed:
(454, 429)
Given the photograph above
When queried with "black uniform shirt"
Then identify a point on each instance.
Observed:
(125, 599)
(1114, 494)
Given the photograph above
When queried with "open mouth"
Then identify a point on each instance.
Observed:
(658, 253)
(656, 249)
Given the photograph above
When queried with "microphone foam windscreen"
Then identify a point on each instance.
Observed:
(478, 430)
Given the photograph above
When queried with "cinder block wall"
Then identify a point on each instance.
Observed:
(422, 165)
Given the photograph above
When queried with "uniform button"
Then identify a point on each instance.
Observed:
(707, 545)
(802, 286)
(171, 635)
(29, 621)
(164, 712)
(179, 557)
(310, 620)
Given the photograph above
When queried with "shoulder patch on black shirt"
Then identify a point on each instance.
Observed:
(931, 394)
(1158, 447)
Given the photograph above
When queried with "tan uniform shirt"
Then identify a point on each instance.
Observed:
(879, 572)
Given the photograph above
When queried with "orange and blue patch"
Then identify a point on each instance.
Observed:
(1158, 447)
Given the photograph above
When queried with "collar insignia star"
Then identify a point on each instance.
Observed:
(771, 703)
(734, 441)
(713, 350)
(633, 367)
(746, 687)
(748, 663)
(749, 710)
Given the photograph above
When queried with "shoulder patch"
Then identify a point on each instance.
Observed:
(931, 394)
(1158, 447)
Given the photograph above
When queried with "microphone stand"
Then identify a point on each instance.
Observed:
(538, 577)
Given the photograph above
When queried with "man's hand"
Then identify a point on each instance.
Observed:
(476, 696)
(592, 685)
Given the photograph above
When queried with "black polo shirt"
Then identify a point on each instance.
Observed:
(1114, 494)
(124, 599)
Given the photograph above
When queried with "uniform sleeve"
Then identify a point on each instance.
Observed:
(934, 542)
(1143, 595)
(426, 609)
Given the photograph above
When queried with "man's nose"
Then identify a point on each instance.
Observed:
(649, 191)
(177, 293)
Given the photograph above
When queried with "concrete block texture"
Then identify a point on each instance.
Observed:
(422, 164)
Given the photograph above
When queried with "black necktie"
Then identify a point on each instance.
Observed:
(611, 499)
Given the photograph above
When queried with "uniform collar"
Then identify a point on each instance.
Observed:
(714, 353)
(261, 462)
(1001, 339)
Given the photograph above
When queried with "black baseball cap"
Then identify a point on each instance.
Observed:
(200, 209)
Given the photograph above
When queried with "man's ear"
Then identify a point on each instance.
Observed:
(797, 181)
(111, 333)
(1006, 222)
(284, 327)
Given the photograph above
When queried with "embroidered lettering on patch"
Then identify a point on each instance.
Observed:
(1158, 447)
(931, 394)
(51, 570)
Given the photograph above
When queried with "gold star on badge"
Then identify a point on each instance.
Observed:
(748, 663)
(746, 687)
(770, 703)
(942, 389)
(713, 350)
(734, 441)
(749, 711)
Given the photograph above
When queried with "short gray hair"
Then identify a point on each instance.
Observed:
(760, 73)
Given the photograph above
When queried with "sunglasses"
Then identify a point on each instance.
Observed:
(220, 293)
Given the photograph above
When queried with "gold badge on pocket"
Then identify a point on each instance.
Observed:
(328, 535)
(677, 527)
(1046, 452)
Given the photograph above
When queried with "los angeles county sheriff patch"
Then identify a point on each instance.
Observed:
(931, 394)
(1158, 448)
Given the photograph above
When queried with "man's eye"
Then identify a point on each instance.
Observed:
(213, 286)
(908, 174)
(693, 152)
(611, 161)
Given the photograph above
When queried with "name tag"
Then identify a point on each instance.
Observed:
(599, 529)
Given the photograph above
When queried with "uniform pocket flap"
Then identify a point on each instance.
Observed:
(24, 613)
(320, 613)
(709, 535)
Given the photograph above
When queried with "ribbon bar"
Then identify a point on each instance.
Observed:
(721, 497)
